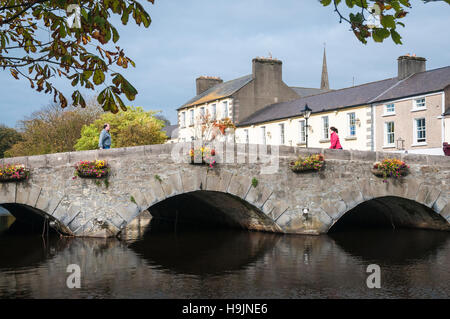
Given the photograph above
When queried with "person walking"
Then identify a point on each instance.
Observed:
(104, 141)
(334, 139)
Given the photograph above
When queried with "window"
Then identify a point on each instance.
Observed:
(281, 134)
(419, 103)
(213, 111)
(263, 135)
(246, 138)
(420, 130)
(225, 109)
(389, 134)
(325, 128)
(302, 136)
(389, 108)
(183, 119)
(191, 112)
(202, 111)
(351, 124)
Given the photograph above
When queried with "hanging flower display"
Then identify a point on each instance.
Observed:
(313, 162)
(91, 169)
(13, 173)
(390, 167)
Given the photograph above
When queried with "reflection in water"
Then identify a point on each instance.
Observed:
(385, 246)
(227, 264)
(204, 252)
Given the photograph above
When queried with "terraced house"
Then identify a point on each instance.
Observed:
(406, 113)
(239, 98)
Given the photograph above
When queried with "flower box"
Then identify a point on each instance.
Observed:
(202, 156)
(313, 162)
(390, 167)
(91, 169)
(13, 173)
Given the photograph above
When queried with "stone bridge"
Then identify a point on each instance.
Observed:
(251, 187)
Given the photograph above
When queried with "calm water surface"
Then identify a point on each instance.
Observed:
(162, 263)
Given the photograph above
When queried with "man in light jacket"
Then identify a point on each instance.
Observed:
(104, 142)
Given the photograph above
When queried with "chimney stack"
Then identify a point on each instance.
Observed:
(206, 82)
(408, 65)
(267, 70)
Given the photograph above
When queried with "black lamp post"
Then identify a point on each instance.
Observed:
(306, 114)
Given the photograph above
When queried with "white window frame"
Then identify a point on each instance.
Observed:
(191, 117)
(421, 107)
(183, 119)
(387, 110)
(225, 109)
(325, 128)
(263, 135)
(281, 127)
(387, 133)
(246, 136)
(416, 136)
(350, 125)
(213, 111)
(302, 132)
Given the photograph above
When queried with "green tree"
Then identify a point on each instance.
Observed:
(131, 128)
(8, 137)
(78, 53)
(389, 13)
(53, 130)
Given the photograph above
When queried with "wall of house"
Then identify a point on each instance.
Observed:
(447, 129)
(189, 130)
(339, 119)
(404, 125)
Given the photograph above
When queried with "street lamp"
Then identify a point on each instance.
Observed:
(306, 115)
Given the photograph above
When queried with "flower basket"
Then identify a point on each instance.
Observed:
(13, 173)
(91, 169)
(313, 162)
(202, 156)
(390, 167)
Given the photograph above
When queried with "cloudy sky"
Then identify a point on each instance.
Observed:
(220, 37)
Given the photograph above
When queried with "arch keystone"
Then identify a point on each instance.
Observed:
(218, 180)
(193, 180)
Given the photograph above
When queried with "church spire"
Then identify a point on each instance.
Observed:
(324, 81)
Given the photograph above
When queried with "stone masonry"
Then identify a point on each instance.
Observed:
(144, 176)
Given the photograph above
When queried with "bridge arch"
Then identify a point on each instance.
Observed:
(237, 200)
(27, 203)
(406, 203)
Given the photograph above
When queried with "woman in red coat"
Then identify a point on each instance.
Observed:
(334, 139)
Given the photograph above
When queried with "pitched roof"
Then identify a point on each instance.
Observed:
(219, 91)
(352, 96)
(307, 91)
(389, 89)
(419, 83)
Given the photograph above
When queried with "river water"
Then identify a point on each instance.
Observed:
(193, 263)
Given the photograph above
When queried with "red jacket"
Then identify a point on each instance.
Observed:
(334, 139)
